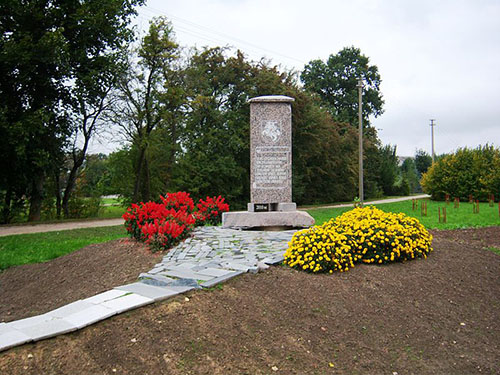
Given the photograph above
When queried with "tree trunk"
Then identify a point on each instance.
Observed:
(6, 208)
(146, 187)
(36, 198)
(77, 163)
(57, 193)
(138, 175)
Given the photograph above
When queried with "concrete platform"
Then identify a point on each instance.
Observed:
(249, 220)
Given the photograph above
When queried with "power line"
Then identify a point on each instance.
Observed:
(188, 29)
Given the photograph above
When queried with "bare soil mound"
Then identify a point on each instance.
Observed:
(434, 316)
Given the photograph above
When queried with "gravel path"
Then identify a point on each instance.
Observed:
(39, 228)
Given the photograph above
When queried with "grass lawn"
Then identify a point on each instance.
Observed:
(41, 247)
(111, 212)
(461, 217)
(111, 201)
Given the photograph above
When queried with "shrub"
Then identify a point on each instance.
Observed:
(366, 235)
(163, 225)
(210, 211)
(178, 201)
(467, 172)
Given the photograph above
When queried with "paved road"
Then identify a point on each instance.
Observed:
(389, 200)
(39, 228)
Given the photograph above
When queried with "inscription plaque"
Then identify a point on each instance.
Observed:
(271, 167)
(261, 207)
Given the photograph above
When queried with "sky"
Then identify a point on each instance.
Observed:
(437, 59)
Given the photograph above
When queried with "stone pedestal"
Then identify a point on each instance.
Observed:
(270, 168)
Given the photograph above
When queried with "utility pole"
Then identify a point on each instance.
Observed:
(432, 138)
(360, 138)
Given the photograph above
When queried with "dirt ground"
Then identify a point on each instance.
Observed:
(434, 316)
(34, 289)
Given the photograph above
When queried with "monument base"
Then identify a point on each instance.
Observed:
(249, 220)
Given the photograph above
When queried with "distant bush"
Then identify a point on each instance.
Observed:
(474, 172)
(367, 235)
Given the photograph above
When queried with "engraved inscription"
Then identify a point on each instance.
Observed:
(262, 207)
(271, 167)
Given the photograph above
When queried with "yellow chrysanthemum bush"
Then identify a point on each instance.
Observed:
(365, 234)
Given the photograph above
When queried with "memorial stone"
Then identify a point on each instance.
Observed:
(270, 168)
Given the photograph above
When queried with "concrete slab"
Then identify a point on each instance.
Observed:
(221, 279)
(181, 289)
(69, 309)
(236, 266)
(126, 302)
(28, 322)
(88, 316)
(156, 280)
(154, 292)
(106, 296)
(186, 274)
(11, 338)
(244, 219)
(274, 260)
(215, 272)
(48, 328)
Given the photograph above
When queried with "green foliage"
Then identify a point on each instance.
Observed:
(150, 99)
(335, 82)
(423, 161)
(467, 172)
(410, 174)
(48, 51)
(41, 247)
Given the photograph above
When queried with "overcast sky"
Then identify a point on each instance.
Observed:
(437, 59)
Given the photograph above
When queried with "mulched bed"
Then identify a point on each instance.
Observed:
(434, 316)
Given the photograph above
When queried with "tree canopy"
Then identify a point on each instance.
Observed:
(335, 82)
(49, 50)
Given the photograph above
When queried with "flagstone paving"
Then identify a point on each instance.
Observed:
(210, 256)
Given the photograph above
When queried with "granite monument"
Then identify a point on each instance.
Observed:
(270, 168)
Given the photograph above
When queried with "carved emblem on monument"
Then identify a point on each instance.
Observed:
(271, 131)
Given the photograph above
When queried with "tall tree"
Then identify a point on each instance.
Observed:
(47, 46)
(335, 82)
(149, 99)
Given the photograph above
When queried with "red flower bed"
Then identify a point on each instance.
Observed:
(210, 211)
(163, 225)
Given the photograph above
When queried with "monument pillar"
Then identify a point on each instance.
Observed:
(270, 168)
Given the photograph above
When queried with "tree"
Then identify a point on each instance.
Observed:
(335, 82)
(48, 47)
(467, 172)
(423, 161)
(215, 157)
(149, 99)
(410, 173)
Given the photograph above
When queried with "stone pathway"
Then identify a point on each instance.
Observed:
(210, 256)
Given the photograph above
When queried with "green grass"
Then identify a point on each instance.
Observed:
(461, 217)
(41, 247)
(112, 201)
(111, 212)
(496, 250)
